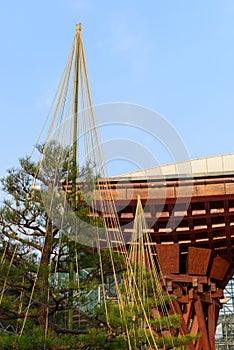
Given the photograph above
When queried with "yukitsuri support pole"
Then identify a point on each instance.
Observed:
(74, 168)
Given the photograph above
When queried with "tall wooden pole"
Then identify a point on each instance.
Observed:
(75, 104)
(74, 168)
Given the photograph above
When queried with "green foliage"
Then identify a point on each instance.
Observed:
(28, 235)
(166, 322)
(35, 340)
(177, 343)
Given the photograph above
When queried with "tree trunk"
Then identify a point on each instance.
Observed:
(43, 276)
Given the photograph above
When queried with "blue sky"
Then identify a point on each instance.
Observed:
(173, 56)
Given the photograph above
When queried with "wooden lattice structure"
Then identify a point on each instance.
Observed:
(196, 256)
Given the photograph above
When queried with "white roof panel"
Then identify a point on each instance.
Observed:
(208, 166)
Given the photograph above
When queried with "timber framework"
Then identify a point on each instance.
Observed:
(193, 234)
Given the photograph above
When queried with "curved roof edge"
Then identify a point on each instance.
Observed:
(200, 167)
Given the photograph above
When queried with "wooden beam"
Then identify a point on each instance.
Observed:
(217, 309)
(184, 327)
(202, 324)
(218, 294)
(185, 278)
(199, 345)
(194, 326)
(211, 325)
(187, 312)
(182, 299)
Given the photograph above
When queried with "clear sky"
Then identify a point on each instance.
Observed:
(174, 56)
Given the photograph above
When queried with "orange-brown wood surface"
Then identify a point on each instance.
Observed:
(219, 268)
(168, 257)
(198, 260)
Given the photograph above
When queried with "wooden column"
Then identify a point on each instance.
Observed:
(202, 324)
(184, 328)
(211, 325)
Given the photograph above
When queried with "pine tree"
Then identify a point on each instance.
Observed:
(34, 274)
(29, 240)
